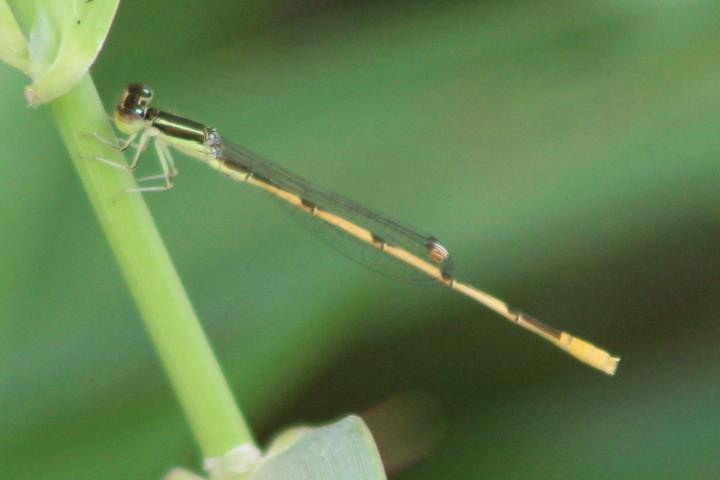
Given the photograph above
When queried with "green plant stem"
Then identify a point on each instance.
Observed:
(168, 315)
(150, 274)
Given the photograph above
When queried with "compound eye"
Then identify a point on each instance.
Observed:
(141, 90)
(130, 114)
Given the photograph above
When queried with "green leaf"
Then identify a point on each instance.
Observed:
(344, 450)
(182, 474)
(13, 47)
(64, 40)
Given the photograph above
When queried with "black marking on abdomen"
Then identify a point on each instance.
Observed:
(447, 278)
(307, 204)
(378, 241)
(546, 329)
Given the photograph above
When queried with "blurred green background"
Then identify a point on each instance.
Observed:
(566, 152)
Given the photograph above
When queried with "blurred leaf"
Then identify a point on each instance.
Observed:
(182, 474)
(13, 47)
(344, 450)
(65, 39)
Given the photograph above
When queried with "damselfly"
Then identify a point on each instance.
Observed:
(424, 253)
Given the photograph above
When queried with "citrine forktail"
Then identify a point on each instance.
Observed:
(425, 254)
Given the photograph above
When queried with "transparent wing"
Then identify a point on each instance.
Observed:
(383, 228)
